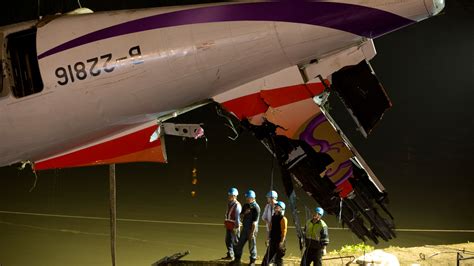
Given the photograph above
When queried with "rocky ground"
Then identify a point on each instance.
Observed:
(424, 255)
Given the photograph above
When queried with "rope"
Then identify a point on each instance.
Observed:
(271, 174)
(210, 224)
(273, 162)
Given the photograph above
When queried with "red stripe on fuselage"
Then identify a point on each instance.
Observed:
(258, 103)
(127, 144)
(246, 106)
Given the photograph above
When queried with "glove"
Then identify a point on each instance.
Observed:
(324, 251)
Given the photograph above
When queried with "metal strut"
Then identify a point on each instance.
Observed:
(113, 211)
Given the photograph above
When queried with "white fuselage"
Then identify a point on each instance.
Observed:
(104, 85)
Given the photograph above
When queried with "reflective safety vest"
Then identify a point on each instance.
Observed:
(313, 230)
(230, 220)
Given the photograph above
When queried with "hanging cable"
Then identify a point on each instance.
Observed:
(271, 173)
(229, 125)
(35, 182)
(23, 166)
(340, 210)
(273, 148)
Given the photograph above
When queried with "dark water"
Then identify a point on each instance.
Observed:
(29, 240)
(163, 192)
(422, 151)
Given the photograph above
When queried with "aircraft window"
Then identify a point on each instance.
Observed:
(24, 62)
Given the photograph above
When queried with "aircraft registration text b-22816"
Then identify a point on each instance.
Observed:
(79, 70)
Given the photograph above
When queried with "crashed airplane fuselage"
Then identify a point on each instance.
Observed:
(92, 89)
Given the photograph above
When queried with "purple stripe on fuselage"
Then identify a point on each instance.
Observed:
(363, 21)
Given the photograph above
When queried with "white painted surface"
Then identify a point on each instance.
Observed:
(181, 66)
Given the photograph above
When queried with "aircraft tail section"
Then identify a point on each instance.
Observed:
(281, 110)
(290, 106)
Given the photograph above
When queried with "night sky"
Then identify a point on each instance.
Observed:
(422, 150)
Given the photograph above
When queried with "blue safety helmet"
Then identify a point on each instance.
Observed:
(281, 204)
(320, 211)
(272, 194)
(233, 192)
(250, 194)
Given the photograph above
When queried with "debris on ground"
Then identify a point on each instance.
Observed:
(424, 255)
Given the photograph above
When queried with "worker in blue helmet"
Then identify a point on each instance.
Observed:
(250, 216)
(232, 222)
(316, 239)
(277, 238)
(272, 197)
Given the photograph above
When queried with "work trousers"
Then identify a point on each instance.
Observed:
(231, 240)
(274, 254)
(313, 255)
(244, 237)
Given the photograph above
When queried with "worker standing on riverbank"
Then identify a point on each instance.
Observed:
(276, 248)
(269, 209)
(250, 216)
(316, 239)
(232, 222)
